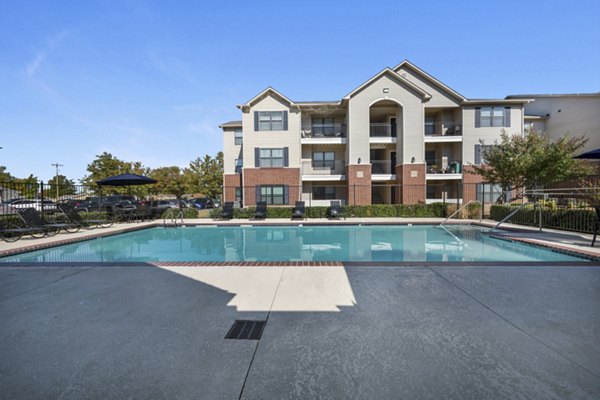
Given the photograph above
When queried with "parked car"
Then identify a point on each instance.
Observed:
(93, 203)
(159, 206)
(48, 206)
(202, 203)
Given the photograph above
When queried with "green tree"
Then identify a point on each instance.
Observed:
(171, 180)
(532, 160)
(206, 175)
(106, 165)
(4, 175)
(61, 185)
(28, 187)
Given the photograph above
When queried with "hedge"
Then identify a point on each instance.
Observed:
(435, 210)
(578, 220)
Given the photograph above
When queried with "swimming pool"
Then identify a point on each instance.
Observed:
(385, 243)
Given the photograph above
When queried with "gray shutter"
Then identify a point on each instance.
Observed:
(257, 157)
(286, 157)
(285, 120)
(286, 194)
(257, 189)
(256, 121)
(477, 154)
(477, 117)
(507, 116)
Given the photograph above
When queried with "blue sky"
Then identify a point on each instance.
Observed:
(151, 81)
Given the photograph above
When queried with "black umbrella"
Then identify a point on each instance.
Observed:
(126, 180)
(592, 154)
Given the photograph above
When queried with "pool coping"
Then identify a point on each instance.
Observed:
(592, 258)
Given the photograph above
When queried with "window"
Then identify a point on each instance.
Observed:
(238, 194)
(271, 120)
(430, 157)
(271, 158)
(492, 116)
(323, 126)
(324, 159)
(239, 163)
(488, 193)
(323, 192)
(272, 194)
(429, 125)
(480, 152)
(238, 136)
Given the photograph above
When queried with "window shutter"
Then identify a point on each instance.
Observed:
(286, 157)
(256, 121)
(257, 157)
(477, 117)
(286, 195)
(507, 116)
(285, 120)
(477, 154)
(257, 189)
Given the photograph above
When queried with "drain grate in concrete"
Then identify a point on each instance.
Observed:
(246, 329)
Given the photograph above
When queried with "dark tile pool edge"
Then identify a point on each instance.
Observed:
(352, 264)
(556, 248)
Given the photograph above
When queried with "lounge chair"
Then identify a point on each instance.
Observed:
(227, 212)
(74, 217)
(13, 234)
(335, 209)
(34, 220)
(261, 210)
(298, 210)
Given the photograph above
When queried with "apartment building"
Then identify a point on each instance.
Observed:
(402, 136)
(575, 114)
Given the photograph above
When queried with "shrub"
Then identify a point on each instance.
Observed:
(559, 218)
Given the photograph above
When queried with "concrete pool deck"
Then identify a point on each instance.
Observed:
(331, 332)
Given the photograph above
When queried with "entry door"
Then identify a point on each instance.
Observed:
(393, 126)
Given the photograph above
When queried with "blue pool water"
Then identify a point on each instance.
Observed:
(292, 243)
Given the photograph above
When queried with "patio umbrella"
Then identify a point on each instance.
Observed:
(592, 154)
(126, 180)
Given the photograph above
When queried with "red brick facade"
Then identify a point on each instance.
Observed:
(230, 183)
(359, 187)
(412, 179)
(271, 176)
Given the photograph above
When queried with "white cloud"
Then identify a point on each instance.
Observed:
(32, 67)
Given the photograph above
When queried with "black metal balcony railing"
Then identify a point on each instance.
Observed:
(454, 167)
(448, 128)
(325, 131)
(382, 130)
(382, 167)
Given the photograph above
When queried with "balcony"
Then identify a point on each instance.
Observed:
(439, 172)
(328, 170)
(443, 132)
(324, 134)
(382, 170)
(382, 133)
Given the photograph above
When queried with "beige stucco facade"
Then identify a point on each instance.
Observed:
(400, 127)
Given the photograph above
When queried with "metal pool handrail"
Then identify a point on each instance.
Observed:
(517, 210)
(460, 209)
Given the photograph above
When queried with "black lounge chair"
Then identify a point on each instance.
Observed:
(261, 210)
(15, 233)
(227, 212)
(74, 217)
(34, 220)
(298, 210)
(335, 209)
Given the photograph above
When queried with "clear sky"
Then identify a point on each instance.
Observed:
(151, 81)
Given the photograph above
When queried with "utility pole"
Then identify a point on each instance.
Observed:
(56, 178)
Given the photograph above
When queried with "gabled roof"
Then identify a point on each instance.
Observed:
(429, 78)
(387, 71)
(533, 96)
(265, 92)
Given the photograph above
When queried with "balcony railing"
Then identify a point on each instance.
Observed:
(454, 167)
(448, 128)
(326, 167)
(382, 130)
(325, 131)
(382, 167)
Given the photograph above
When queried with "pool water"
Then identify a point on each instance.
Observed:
(293, 243)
